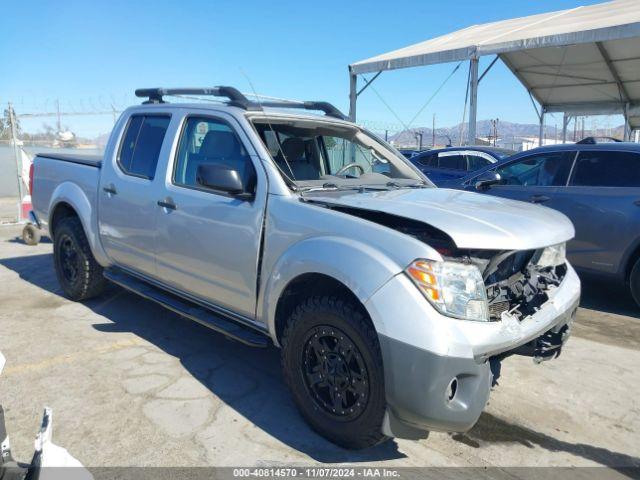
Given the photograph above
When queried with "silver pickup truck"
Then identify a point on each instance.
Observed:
(393, 302)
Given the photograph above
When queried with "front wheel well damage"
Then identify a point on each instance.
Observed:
(312, 284)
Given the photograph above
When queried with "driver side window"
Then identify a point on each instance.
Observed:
(542, 170)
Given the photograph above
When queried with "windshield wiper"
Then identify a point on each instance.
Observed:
(407, 185)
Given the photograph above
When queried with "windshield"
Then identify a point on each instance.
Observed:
(312, 154)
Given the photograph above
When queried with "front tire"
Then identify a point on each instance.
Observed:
(332, 364)
(634, 282)
(79, 275)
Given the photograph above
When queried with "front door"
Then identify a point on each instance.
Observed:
(535, 178)
(127, 203)
(208, 241)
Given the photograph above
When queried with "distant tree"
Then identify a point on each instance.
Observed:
(5, 126)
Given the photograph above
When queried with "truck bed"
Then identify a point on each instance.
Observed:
(89, 160)
(73, 178)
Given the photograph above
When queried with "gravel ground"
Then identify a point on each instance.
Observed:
(132, 384)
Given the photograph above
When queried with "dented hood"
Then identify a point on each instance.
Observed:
(472, 220)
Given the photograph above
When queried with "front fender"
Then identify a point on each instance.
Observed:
(75, 197)
(360, 267)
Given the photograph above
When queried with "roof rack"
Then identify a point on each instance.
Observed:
(325, 107)
(237, 99)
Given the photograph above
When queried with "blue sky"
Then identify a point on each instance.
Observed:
(92, 54)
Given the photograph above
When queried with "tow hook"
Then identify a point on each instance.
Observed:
(549, 345)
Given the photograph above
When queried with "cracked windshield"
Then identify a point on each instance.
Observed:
(318, 155)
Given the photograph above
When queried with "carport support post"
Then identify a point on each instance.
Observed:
(627, 133)
(565, 123)
(541, 135)
(353, 95)
(473, 100)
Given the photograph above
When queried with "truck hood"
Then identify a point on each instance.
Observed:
(472, 220)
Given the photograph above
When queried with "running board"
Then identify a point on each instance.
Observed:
(192, 311)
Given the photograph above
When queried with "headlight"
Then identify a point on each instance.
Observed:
(454, 289)
(553, 256)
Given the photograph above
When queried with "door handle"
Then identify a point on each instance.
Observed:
(169, 205)
(637, 203)
(538, 198)
(110, 189)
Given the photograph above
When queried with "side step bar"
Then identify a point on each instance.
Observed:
(192, 311)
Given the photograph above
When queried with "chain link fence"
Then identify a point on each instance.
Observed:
(18, 148)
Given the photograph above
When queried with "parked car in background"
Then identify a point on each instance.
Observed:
(596, 185)
(451, 163)
(408, 152)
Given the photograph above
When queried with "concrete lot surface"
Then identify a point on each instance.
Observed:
(133, 384)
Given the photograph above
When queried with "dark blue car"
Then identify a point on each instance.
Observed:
(445, 164)
(596, 185)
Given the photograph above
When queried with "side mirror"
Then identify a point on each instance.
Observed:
(227, 180)
(487, 180)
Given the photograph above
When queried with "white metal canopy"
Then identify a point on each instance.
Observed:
(581, 61)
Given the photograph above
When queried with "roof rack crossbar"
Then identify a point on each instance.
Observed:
(236, 98)
(326, 107)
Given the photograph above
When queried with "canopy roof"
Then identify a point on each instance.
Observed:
(584, 60)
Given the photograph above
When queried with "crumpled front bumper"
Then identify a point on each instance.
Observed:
(437, 369)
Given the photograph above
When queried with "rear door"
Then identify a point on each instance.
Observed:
(535, 178)
(477, 160)
(127, 202)
(603, 202)
(451, 165)
(208, 242)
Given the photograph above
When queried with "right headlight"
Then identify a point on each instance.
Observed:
(455, 289)
(553, 256)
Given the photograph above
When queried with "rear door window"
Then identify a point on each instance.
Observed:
(542, 170)
(607, 169)
(475, 162)
(427, 160)
(141, 144)
(452, 162)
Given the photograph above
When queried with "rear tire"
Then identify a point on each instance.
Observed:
(30, 235)
(332, 364)
(79, 275)
(634, 282)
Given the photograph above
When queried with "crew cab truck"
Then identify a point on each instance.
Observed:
(392, 301)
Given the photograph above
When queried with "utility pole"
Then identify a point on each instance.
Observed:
(58, 110)
(419, 136)
(17, 156)
(433, 132)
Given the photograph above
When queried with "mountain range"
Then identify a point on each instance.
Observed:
(507, 131)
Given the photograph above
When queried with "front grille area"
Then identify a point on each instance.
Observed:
(516, 283)
(496, 309)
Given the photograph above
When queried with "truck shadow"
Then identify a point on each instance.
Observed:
(249, 380)
(246, 379)
(492, 429)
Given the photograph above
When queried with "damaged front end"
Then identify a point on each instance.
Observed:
(518, 283)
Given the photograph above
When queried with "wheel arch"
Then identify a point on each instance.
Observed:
(631, 258)
(312, 266)
(68, 199)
